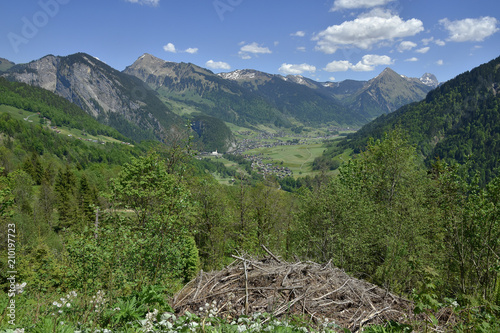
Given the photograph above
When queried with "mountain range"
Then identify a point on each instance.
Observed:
(459, 121)
(153, 97)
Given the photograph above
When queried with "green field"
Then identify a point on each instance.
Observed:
(297, 158)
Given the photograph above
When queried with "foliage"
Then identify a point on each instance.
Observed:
(55, 108)
(457, 121)
(213, 134)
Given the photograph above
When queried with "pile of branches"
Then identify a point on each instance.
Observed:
(280, 288)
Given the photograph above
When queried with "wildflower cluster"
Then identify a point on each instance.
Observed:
(98, 300)
(20, 288)
(64, 302)
(208, 322)
(149, 322)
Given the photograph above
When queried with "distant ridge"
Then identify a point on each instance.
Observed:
(457, 121)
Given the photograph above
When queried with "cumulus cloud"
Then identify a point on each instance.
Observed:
(440, 62)
(423, 50)
(353, 4)
(170, 48)
(296, 69)
(366, 31)
(427, 41)
(217, 65)
(192, 50)
(301, 48)
(152, 3)
(338, 66)
(412, 59)
(469, 29)
(298, 34)
(366, 64)
(252, 48)
(406, 46)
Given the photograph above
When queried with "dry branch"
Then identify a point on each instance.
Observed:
(303, 288)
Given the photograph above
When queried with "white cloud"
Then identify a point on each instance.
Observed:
(366, 31)
(331, 78)
(301, 48)
(412, 59)
(440, 42)
(192, 50)
(406, 46)
(170, 48)
(427, 41)
(367, 64)
(338, 66)
(152, 3)
(369, 61)
(440, 62)
(217, 65)
(298, 34)
(353, 4)
(252, 48)
(296, 69)
(423, 50)
(470, 30)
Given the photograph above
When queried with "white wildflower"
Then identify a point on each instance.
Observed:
(20, 287)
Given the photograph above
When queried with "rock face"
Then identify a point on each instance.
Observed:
(429, 80)
(105, 93)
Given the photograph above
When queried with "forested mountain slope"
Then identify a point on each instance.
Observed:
(457, 121)
(112, 97)
(205, 92)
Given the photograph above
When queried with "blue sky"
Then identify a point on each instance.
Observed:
(321, 39)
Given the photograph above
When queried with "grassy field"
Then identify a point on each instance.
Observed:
(297, 158)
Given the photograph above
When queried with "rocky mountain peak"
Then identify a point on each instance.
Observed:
(245, 74)
(429, 80)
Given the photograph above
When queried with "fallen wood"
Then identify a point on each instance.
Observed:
(320, 292)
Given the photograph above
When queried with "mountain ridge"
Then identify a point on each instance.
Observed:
(459, 121)
(114, 98)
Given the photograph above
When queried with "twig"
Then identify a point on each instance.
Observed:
(331, 292)
(246, 287)
(270, 253)
(199, 283)
(370, 317)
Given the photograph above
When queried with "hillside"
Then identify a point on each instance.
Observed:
(296, 97)
(116, 99)
(457, 120)
(56, 110)
(5, 64)
(386, 93)
(205, 92)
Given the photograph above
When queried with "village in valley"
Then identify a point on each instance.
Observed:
(269, 153)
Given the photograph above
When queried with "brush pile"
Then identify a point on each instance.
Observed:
(308, 289)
